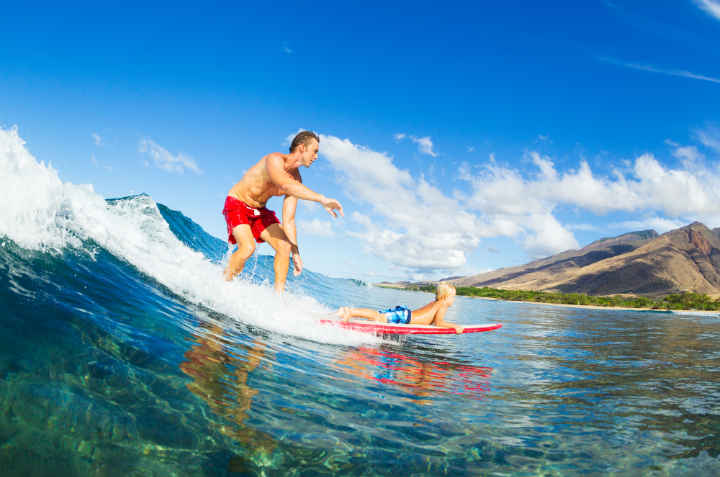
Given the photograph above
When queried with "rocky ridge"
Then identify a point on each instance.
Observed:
(638, 263)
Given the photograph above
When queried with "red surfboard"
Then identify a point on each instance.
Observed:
(409, 329)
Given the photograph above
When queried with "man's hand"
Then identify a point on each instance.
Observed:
(297, 264)
(331, 205)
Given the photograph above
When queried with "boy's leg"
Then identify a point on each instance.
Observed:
(245, 248)
(276, 238)
(367, 314)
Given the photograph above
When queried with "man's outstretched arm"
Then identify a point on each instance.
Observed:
(290, 186)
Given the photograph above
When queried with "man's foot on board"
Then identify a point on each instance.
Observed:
(228, 275)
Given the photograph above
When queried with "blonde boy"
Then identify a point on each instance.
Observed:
(431, 314)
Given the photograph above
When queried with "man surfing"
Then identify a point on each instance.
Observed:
(249, 221)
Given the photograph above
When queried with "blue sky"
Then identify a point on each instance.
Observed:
(459, 138)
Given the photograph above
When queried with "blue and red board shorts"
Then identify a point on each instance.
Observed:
(237, 212)
(400, 315)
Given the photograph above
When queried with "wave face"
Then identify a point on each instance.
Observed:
(192, 235)
(123, 352)
(46, 215)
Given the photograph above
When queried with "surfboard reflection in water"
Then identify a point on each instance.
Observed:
(419, 377)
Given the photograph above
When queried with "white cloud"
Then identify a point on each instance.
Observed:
(425, 144)
(710, 138)
(710, 6)
(470, 148)
(545, 164)
(524, 204)
(650, 185)
(415, 225)
(321, 228)
(688, 154)
(659, 224)
(676, 192)
(583, 227)
(366, 167)
(286, 49)
(681, 195)
(164, 160)
(655, 69)
(548, 236)
(97, 139)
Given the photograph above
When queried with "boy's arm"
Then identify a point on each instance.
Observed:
(289, 185)
(288, 225)
(439, 320)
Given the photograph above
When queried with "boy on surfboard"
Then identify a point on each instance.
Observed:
(431, 314)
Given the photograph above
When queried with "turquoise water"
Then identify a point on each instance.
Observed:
(103, 371)
(122, 352)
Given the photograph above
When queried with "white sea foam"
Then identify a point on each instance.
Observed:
(41, 212)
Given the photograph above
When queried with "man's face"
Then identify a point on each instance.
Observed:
(310, 153)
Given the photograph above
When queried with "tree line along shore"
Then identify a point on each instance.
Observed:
(676, 301)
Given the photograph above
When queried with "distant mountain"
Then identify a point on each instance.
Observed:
(535, 274)
(639, 263)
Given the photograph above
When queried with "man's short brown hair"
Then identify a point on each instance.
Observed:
(304, 137)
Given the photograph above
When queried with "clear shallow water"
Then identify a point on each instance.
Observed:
(121, 377)
(134, 358)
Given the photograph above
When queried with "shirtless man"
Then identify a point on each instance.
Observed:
(249, 221)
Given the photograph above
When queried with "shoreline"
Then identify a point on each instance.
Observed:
(591, 307)
(715, 313)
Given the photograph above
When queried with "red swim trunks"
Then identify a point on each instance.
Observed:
(237, 212)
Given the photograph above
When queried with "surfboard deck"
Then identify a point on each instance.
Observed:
(409, 329)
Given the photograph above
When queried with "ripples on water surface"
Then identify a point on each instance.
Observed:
(126, 378)
(133, 357)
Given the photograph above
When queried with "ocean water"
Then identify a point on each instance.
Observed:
(122, 352)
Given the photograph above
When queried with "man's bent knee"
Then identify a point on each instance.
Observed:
(283, 247)
(246, 250)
